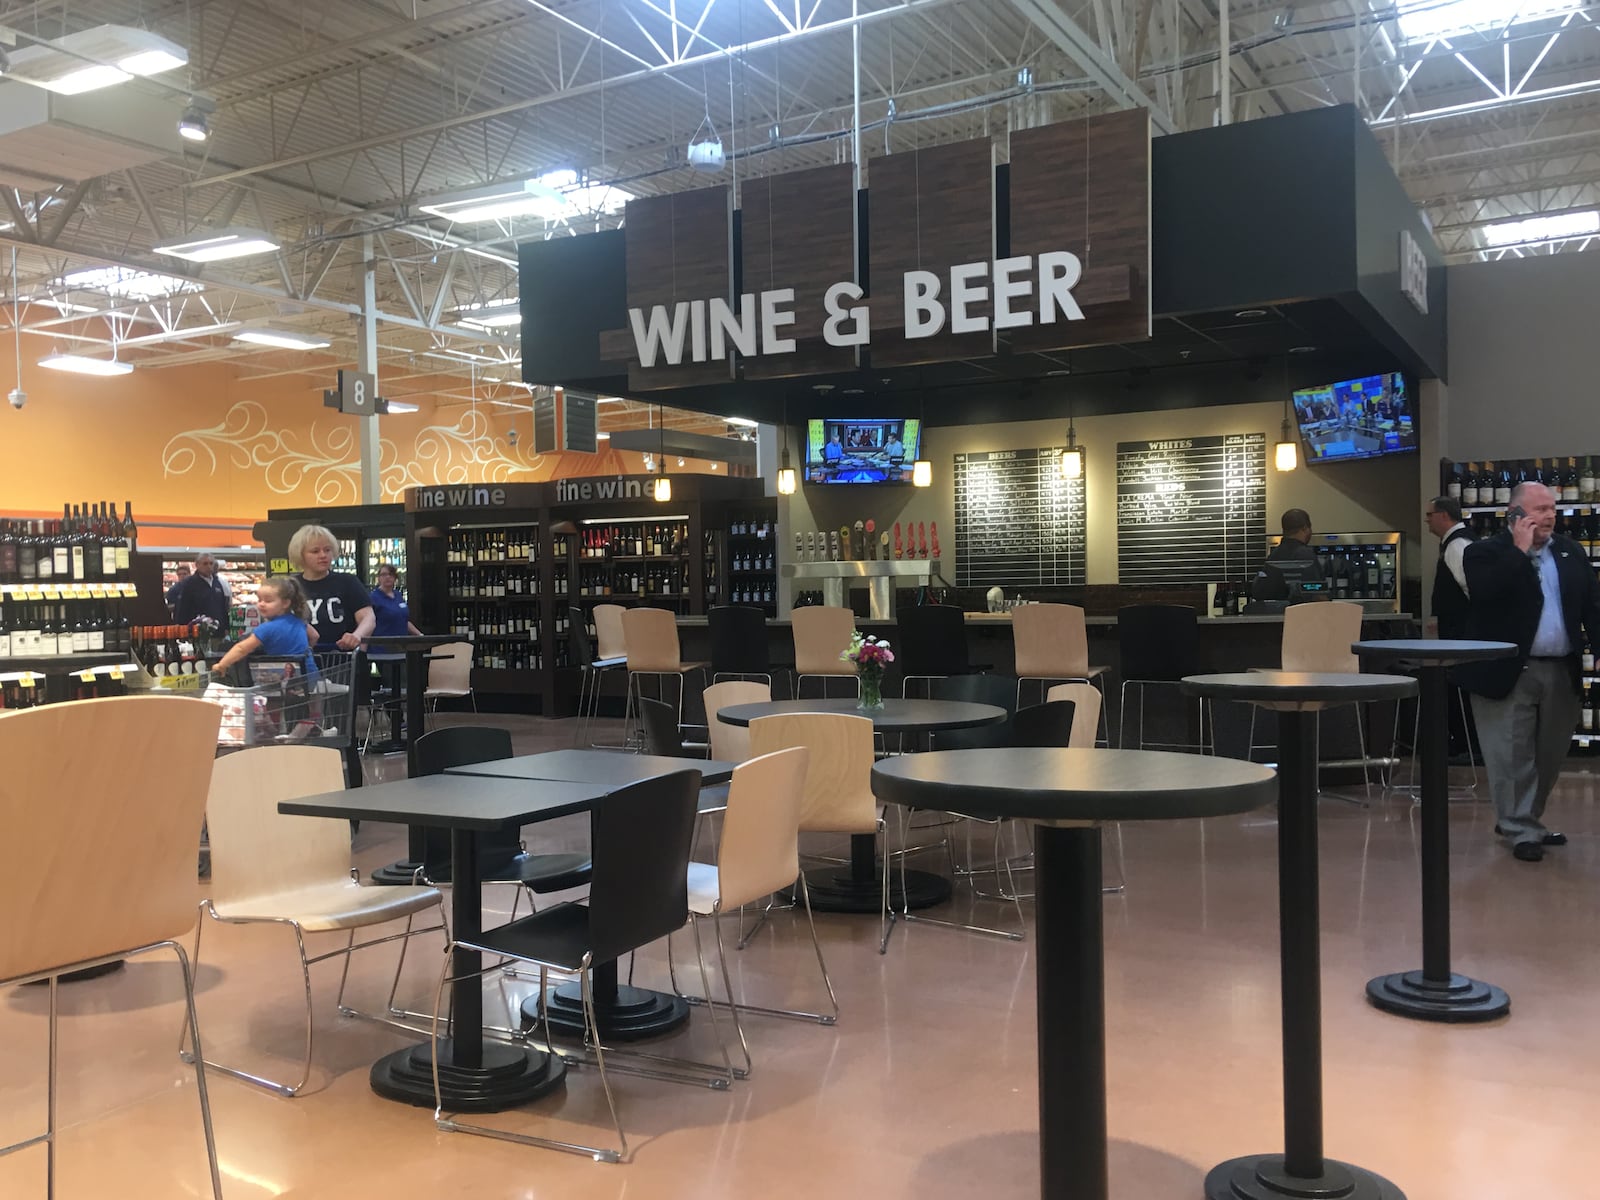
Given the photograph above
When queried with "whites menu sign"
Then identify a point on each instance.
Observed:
(1191, 510)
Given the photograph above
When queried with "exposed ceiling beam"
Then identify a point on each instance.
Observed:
(1077, 43)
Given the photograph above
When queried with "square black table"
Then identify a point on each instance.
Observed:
(474, 1075)
(625, 1014)
(597, 766)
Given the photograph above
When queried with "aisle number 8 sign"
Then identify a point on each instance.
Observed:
(357, 393)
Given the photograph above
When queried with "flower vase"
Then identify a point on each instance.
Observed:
(871, 691)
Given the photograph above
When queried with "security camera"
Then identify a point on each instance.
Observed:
(18, 397)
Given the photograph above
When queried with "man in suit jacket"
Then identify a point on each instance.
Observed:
(1534, 587)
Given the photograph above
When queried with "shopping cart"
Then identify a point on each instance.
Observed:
(286, 703)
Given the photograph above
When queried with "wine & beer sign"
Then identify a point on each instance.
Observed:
(1006, 293)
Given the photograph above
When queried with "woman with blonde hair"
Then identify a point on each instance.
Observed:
(340, 605)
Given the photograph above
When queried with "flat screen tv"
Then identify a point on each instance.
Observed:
(861, 449)
(1357, 418)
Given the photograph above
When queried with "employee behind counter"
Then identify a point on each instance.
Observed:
(1292, 572)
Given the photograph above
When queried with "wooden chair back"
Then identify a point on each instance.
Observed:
(102, 803)
(821, 634)
(838, 792)
(651, 636)
(731, 743)
(1317, 636)
(1052, 641)
(760, 849)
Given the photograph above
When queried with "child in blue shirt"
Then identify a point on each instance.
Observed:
(283, 630)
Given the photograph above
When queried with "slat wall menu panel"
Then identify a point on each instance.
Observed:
(1018, 523)
(1191, 510)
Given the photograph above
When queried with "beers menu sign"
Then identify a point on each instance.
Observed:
(1191, 510)
(1018, 523)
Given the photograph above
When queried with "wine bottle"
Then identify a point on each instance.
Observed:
(1586, 481)
(1502, 485)
(80, 631)
(5, 635)
(1452, 483)
(1469, 486)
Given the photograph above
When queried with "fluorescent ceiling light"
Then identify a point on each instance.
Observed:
(283, 339)
(1428, 20)
(400, 406)
(494, 203)
(225, 243)
(95, 58)
(127, 284)
(553, 196)
(1542, 229)
(77, 364)
(603, 436)
(496, 314)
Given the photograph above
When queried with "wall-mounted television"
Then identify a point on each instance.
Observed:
(1357, 418)
(861, 449)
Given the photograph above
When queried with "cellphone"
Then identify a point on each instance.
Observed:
(1514, 514)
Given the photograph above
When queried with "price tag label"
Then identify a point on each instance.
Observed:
(280, 566)
(86, 676)
(34, 593)
(97, 592)
(50, 593)
(27, 680)
(115, 673)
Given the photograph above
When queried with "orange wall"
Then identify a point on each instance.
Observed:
(197, 442)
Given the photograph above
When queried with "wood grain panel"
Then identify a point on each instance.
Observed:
(928, 210)
(799, 231)
(1084, 186)
(679, 247)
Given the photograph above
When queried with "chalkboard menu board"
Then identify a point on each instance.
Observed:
(1018, 523)
(1191, 510)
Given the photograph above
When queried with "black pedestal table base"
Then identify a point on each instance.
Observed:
(635, 1015)
(836, 889)
(1264, 1177)
(508, 1076)
(397, 873)
(1411, 994)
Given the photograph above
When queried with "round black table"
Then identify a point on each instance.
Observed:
(1067, 792)
(1435, 993)
(1301, 1171)
(860, 889)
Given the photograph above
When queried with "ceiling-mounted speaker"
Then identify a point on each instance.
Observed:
(707, 156)
(566, 420)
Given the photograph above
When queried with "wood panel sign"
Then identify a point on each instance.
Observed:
(1191, 510)
(945, 279)
(1018, 523)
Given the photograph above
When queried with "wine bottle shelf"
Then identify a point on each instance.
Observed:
(1562, 506)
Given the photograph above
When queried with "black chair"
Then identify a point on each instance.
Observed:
(739, 643)
(641, 835)
(662, 736)
(501, 858)
(933, 644)
(1047, 724)
(1159, 645)
(591, 671)
(998, 690)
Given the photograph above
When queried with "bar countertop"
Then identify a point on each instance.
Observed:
(982, 619)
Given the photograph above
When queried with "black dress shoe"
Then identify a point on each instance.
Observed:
(1551, 838)
(1528, 851)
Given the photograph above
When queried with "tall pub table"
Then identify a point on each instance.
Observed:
(860, 887)
(475, 1075)
(1435, 993)
(416, 650)
(1067, 793)
(1301, 1172)
(624, 1013)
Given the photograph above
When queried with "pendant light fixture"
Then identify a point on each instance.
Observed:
(663, 486)
(1071, 465)
(786, 474)
(1286, 454)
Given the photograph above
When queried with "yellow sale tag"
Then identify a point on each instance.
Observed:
(50, 593)
(115, 673)
(35, 594)
(26, 680)
(280, 566)
(97, 592)
(86, 676)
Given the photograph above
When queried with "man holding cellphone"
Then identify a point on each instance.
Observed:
(1534, 587)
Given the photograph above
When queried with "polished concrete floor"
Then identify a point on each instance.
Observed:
(926, 1087)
